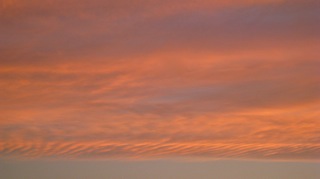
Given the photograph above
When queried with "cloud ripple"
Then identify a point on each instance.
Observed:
(160, 79)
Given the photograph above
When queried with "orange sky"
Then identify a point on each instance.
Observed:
(160, 79)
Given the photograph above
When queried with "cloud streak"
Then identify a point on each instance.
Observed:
(133, 151)
(160, 79)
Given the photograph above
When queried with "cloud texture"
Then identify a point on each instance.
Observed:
(160, 79)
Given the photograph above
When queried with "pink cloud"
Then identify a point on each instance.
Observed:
(194, 80)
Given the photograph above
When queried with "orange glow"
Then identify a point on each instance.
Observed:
(168, 79)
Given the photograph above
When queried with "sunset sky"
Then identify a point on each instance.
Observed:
(191, 84)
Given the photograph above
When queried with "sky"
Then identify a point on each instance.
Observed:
(163, 85)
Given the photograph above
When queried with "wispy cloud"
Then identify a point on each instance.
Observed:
(154, 79)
